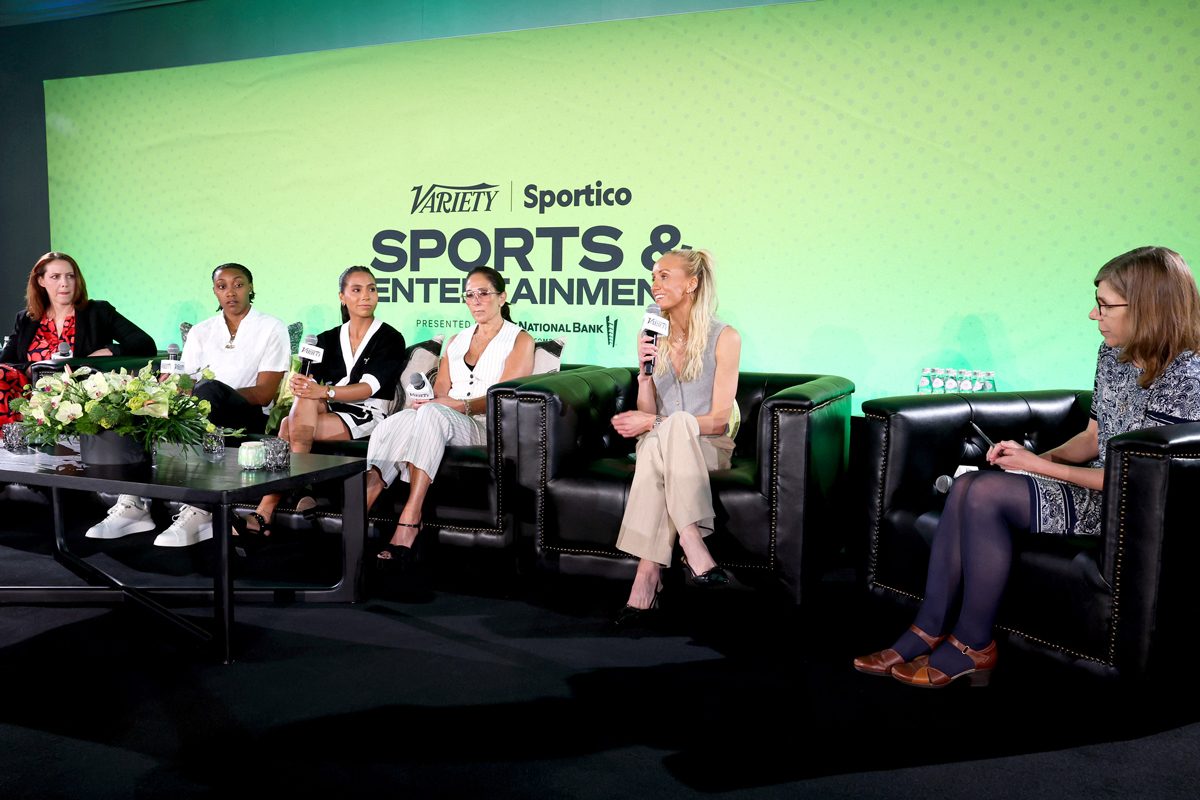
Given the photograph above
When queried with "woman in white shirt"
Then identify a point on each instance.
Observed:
(248, 352)
(410, 445)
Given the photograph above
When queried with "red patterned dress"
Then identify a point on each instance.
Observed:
(44, 345)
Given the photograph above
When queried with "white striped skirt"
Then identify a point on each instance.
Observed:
(419, 436)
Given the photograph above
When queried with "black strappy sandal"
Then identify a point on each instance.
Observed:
(399, 556)
(250, 540)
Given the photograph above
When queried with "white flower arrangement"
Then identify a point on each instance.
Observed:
(138, 405)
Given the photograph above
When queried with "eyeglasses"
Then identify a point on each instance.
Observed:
(477, 294)
(1104, 307)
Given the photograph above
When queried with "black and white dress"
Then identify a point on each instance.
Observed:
(1119, 405)
(378, 363)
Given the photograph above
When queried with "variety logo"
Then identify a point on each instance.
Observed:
(440, 199)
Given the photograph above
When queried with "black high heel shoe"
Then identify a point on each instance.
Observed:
(713, 577)
(629, 616)
(250, 541)
(399, 557)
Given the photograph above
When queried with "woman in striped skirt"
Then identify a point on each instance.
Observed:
(409, 445)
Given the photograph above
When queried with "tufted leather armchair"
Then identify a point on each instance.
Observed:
(471, 503)
(1117, 604)
(776, 509)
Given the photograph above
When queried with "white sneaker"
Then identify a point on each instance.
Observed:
(190, 527)
(126, 517)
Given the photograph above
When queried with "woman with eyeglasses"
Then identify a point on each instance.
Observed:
(348, 393)
(410, 445)
(1148, 374)
(57, 310)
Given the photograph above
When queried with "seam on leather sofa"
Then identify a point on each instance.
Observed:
(1115, 616)
(873, 556)
(1016, 631)
(1058, 647)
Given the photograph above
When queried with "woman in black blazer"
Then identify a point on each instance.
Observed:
(57, 309)
(349, 391)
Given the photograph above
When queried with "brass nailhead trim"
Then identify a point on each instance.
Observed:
(873, 555)
(1052, 645)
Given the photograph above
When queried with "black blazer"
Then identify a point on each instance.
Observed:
(97, 325)
(383, 357)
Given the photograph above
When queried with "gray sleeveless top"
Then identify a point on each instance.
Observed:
(694, 397)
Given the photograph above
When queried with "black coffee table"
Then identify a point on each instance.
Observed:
(190, 477)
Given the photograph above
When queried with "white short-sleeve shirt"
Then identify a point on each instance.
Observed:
(261, 345)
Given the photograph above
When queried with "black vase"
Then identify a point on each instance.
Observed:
(111, 448)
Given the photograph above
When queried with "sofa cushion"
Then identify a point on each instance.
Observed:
(547, 355)
(421, 357)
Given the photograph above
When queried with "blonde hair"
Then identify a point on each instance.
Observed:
(1164, 307)
(699, 265)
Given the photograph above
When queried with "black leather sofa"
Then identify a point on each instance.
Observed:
(471, 503)
(1117, 605)
(778, 514)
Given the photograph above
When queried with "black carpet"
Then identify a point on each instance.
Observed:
(473, 684)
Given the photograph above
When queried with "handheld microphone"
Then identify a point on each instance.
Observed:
(419, 387)
(171, 365)
(310, 354)
(654, 325)
(944, 483)
(63, 352)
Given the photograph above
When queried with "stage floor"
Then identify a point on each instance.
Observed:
(476, 685)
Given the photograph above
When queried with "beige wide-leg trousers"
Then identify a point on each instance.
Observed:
(670, 487)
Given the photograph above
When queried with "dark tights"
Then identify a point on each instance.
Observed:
(971, 557)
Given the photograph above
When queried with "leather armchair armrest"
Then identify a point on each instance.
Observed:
(816, 412)
(1151, 480)
(544, 423)
(567, 415)
(803, 444)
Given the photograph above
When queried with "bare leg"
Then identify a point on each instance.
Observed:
(375, 486)
(308, 419)
(418, 487)
(698, 557)
(409, 523)
(302, 423)
(646, 584)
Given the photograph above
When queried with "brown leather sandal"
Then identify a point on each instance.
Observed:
(882, 662)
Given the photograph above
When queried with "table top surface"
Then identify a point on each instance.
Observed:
(178, 473)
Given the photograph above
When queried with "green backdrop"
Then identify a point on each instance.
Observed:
(885, 187)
